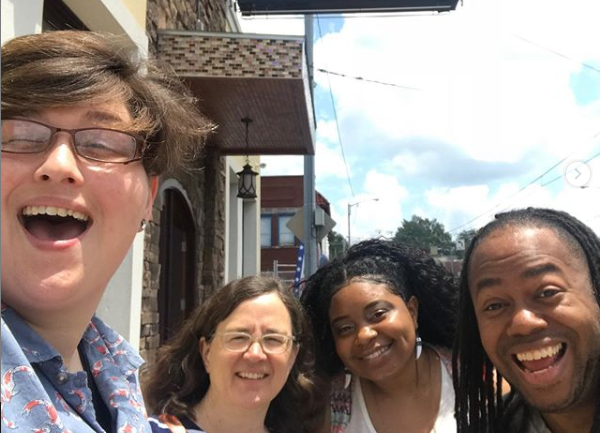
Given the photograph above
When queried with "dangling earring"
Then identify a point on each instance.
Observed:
(347, 378)
(142, 225)
(418, 347)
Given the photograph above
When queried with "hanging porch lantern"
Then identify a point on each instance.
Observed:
(247, 177)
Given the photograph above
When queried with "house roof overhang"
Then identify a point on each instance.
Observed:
(274, 7)
(237, 75)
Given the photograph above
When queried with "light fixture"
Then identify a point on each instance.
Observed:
(247, 177)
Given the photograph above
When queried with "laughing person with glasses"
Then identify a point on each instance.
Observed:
(86, 130)
(239, 364)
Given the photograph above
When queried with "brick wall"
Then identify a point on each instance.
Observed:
(204, 186)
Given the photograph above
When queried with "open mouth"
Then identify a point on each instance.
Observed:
(251, 376)
(538, 361)
(50, 223)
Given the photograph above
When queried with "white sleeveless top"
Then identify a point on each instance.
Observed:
(360, 422)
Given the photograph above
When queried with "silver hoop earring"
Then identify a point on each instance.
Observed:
(418, 347)
(142, 225)
(347, 378)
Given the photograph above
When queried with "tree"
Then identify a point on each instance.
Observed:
(425, 234)
(337, 245)
(463, 240)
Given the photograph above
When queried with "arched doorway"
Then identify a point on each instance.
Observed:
(177, 293)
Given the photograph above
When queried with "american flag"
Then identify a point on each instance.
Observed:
(298, 276)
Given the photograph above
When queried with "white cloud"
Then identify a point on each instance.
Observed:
(496, 93)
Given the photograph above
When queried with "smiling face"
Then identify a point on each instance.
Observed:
(374, 330)
(537, 315)
(68, 222)
(253, 378)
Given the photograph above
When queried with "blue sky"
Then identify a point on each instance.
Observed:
(484, 109)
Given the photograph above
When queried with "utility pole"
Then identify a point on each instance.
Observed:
(310, 235)
(350, 210)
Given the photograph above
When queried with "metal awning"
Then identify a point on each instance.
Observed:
(274, 7)
(237, 75)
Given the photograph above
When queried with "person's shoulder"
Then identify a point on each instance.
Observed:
(520, 416)
(445, 355)
(157, 425)
(13, 354)
(172, 424)
(112, 344)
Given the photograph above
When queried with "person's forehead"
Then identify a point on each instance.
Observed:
(528, 242)
(115, 113)
(268, 306)
(361, 292)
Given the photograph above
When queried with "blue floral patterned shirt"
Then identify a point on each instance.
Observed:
(40, 396)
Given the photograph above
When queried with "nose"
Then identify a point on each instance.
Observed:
(365, 334)
(255, 352)
(525, 321)
(61, 163)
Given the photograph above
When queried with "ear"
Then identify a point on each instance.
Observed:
(413, 309)
(153, 190)
(204, 348)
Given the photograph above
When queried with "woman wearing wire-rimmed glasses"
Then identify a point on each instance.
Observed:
(239, 364)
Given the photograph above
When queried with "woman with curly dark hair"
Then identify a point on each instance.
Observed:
(383, 319)
(241, 363)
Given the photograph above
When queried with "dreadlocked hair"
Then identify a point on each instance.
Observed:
(479, 404)
(406, 272)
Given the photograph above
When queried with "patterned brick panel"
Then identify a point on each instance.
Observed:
(196, 54)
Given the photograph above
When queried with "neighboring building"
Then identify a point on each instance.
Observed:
(201, 235)
(451, 263)
(281, 198)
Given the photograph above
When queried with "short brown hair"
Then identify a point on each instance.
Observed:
(70, 67)
(178, 380)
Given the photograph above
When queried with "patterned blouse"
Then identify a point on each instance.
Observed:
(39, 395)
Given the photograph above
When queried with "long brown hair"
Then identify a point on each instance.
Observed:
(178, 380)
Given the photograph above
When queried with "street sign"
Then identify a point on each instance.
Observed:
(296, 224)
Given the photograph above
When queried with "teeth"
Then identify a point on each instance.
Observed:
(377, 353)
(53, 211)
(536, 355)
(252, 376)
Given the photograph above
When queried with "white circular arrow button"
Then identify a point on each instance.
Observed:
(578, 174)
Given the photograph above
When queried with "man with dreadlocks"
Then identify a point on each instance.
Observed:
(529, 308)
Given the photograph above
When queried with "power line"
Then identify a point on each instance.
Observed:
(521, 190)
(550, 50)
(339, 74)
(337, 123)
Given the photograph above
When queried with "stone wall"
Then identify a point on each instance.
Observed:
(181, 15)
(204, 186)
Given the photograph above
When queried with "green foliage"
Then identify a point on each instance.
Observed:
(337, 245)
(425, 234)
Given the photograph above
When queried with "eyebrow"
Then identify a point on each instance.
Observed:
(546, 268)
(246, 330)
(486, 283)
(103, 116)
(369, 305)
(536, 271)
